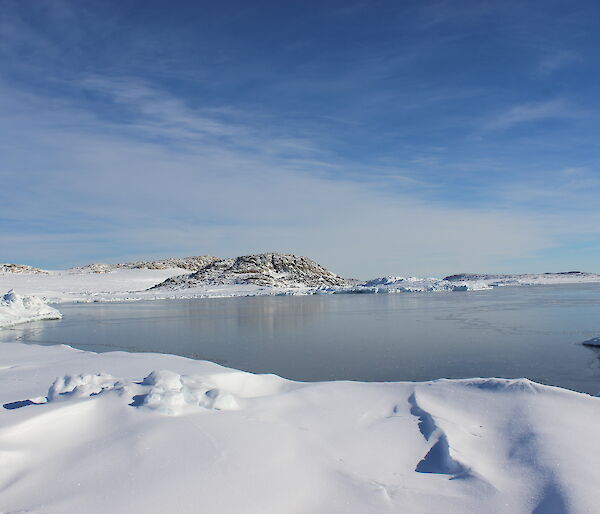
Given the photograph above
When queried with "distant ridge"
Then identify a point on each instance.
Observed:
(526, 278)
(188, 263)
(263, 269)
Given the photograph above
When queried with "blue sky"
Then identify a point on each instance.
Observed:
(376, 137)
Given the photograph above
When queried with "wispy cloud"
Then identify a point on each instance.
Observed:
(556, 61)
(142, 195)
(523, 113)
(376, 141)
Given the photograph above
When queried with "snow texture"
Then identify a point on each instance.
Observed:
(157, 433)
(21, 309)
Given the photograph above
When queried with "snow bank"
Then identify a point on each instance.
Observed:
(158, 433)
(21, 309)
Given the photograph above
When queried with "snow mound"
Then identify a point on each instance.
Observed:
(171, 393)
(21, 309)
(167, 392)
(80, 386)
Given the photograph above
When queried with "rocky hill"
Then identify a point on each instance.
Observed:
(264, 269)
(188, 263)
(20, 269)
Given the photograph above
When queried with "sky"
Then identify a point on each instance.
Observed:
(378, 138)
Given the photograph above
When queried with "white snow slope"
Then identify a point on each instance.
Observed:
(113, 435)
(17, 309)
(82, 286)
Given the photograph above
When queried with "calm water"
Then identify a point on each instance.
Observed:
(509, 332)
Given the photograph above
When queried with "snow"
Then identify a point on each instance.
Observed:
(59, 286)
(159, 433)
(21, 309)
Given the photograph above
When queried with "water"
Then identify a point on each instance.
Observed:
(531, 332)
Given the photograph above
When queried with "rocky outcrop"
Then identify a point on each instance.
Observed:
(20, 269)
(264, 269)
(188, 263)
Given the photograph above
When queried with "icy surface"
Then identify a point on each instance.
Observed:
(21, 309)
(156, 433)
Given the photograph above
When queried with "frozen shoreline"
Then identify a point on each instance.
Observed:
(134, 284)
(201, 437)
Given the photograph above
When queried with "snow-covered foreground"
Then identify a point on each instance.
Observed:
(17, 309)
(114, 434)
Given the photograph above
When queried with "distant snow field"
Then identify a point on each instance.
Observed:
(122, 433)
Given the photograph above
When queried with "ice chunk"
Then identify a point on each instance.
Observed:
(21, 309)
